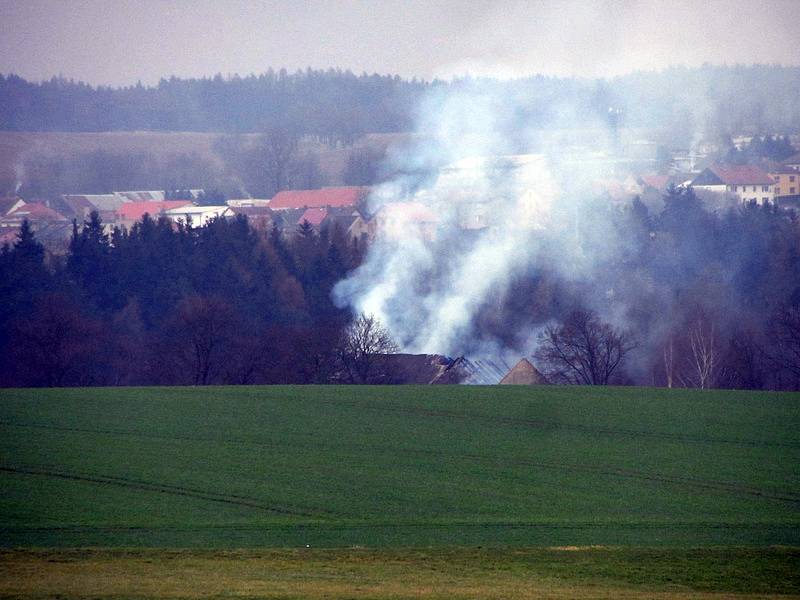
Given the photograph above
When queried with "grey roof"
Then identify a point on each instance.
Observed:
(109, 202)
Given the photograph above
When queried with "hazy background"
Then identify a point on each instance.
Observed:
(121, 42)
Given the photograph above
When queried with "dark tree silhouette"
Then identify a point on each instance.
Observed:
(582, 350)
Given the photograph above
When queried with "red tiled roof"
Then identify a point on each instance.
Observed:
(36, 211)
(315, 216)
(742, 175)
(332, 196)
(134, 211)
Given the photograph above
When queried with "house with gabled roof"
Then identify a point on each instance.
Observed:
(747, 182)
(9, 204)
(52, 228)
(36, 213)
(314, 217)
(82, 205)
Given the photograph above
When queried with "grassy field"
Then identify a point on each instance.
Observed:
(398, 467)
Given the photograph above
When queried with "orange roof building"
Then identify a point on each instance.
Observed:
(130, 212)
(333, 197)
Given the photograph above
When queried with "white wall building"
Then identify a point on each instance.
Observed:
(199, 216)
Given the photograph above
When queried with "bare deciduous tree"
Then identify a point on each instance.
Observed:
(200, 336)
(277, 152)
(582, 350)
(702, 362)
(363, 348)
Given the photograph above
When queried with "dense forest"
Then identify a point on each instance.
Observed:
(336, 106)
(711, 300)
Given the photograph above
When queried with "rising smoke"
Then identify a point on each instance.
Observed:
(483, 197)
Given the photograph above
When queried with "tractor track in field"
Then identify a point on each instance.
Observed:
(157, 487)
(550, 424)
(498, 461)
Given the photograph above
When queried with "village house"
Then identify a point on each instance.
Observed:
(9, 204)
(748, 183)
(132, 212)
(82, 205)
(361, 229)
(198, 216)
(787, 182)
(36, 213)
(330, 197)
(51, 227)
(314, 217)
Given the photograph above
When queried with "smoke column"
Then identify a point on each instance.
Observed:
(467, 213)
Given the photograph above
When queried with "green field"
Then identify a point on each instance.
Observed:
(398, 467)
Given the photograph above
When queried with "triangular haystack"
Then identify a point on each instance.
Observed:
(523, 373)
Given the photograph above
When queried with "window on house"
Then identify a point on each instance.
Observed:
(791, 190)
(734, 187)
(764, 188)
(791, 178)
(754, 188)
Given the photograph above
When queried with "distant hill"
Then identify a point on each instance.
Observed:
(338, 106)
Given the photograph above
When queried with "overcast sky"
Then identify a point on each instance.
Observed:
(121, 41)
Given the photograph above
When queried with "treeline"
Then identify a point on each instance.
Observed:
(164, 305)
(676, 295)
(258, 166)
(336, 106)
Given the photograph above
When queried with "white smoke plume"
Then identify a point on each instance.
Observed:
(468, 213)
